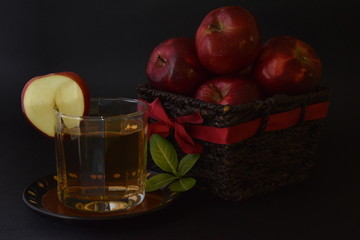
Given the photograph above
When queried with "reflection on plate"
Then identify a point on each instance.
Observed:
(41, 196)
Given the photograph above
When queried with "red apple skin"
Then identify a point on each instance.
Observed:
(287, 65)
(227, 40)
(174, 66)
(79, 80)
(228, 90)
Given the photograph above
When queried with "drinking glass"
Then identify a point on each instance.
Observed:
(101, 158)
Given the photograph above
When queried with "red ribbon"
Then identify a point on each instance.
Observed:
(164, 125)
(277, 121)
(227, 135)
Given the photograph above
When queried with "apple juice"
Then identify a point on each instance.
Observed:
(102, 170)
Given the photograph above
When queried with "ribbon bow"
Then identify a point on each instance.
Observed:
(165, 125)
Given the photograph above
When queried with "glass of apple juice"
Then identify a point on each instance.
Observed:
(101, 158)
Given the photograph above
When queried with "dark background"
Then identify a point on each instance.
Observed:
(108, 44)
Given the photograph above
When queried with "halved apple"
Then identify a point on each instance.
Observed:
(65, 91)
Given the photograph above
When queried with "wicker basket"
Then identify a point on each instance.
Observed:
(257, 165)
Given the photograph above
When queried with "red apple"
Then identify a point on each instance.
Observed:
(65, 91)
(228, 90)
(227, 40)
(174, 66)
(287, 65)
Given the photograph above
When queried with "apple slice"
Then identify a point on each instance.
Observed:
(65, 91)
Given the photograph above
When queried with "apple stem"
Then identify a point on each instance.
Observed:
(215, 27)
(161, 59)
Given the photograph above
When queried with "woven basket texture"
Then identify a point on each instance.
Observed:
(258, 165)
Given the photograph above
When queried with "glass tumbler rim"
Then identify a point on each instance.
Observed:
(112, 117)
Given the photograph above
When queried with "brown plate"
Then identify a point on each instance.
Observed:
(41, 196)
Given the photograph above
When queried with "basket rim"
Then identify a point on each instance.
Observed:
(278, 99)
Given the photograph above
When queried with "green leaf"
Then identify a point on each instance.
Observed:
(163, 153)
(186, 163)
(182, 185)
(159, 181)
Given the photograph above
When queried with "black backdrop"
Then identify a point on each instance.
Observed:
(108, 44)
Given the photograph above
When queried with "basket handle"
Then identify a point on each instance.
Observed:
(267, 110)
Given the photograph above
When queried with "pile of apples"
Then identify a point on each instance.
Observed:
(226, 63)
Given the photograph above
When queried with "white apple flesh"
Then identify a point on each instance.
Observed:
(66, 91)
